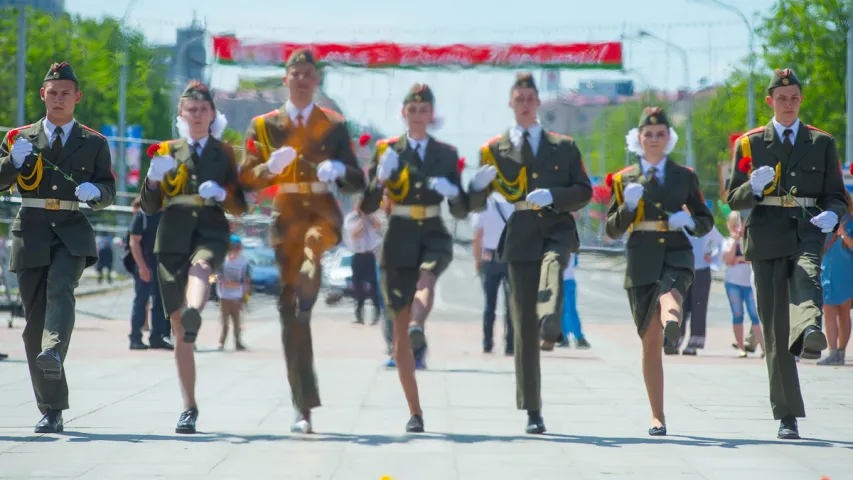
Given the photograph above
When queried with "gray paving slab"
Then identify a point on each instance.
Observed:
(125, 404)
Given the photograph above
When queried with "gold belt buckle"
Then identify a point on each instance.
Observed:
(788, 202)
(303, 187)
(417, 212)
(51, 204)
(661, 226)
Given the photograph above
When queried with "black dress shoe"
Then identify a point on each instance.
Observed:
(51, 422)
(671, 331)
(138, 345)
(186, 424)
(658, 431)
(788, 429)
(49, 363)
(416, 424)
(535, 423)
(814, 342)
(164, 343)
(191, 321)
(3, 356)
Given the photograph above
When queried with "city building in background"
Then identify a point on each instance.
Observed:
(54, 7)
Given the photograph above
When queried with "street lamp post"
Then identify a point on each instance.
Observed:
(750, 115)
(181, 78)
(122, 106)
(691, 161)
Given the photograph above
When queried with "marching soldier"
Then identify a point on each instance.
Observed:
(55, 163)
(788, 174)
(656, 200)
(305, 150)
(543, 175)
(418, 172)
(194, 180)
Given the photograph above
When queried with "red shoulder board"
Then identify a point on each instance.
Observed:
(624, 170)
(270, 114)
(818, 130)
(332, 114)
(560, 135)
(754, 130)
(492, 140)
(446, 145)
(93, 131)
(689, 168)
(17, 130)
(388, 141)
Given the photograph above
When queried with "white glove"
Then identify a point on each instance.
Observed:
(681, 219)
(633, 193)
(159, 166)
(20, 150)
(483, 177)
(388, 163)
(211, 189)
(825, 221)
(87, 192)
(443, 187)
(280, 159)
(330, 170)
(540, 197)
(759, 178)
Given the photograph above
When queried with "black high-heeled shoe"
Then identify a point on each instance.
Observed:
(658, 431)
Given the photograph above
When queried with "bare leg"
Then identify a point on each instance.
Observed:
(759, 337)
(844, 324)
(223, 311)
(405, 360)
(670, 308)
(198, 285)
(738, 329)
(653, 369)
(830, 323)
(185, 360)
(424, 298)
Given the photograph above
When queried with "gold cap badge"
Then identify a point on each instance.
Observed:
(653, 119)
(785, 81)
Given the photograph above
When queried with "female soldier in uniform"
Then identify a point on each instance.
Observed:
(419, 173)
(656, 200)
(194, 179)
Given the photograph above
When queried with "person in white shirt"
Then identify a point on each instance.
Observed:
(232, 286)
(363, 235)
(739, 285)
(571, 318)
(706, 252)
(488, 226)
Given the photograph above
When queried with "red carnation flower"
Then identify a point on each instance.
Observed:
(251, 147)
(461, 164)
(851, 169)
(152, 150)
(745, 165)
(608, 180)
(364, 139)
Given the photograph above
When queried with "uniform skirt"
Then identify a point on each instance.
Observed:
(644, 299)
(399, 283)
(174, 268)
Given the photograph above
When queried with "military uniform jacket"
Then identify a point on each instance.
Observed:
(812, 170)
(559, 168)
(183, 225)
(648, 252)
(324, 137)
(409, 186)
(85, 158)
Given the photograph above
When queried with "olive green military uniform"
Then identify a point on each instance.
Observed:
(192, 229)
(416, 238)
(785, 248)
(307, 221)
(536, 243)
(659, 258)
(52, 240)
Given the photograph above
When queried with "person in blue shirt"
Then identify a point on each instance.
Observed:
(571, 318)
(837, 281)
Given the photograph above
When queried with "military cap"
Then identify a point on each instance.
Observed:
(61, 71)
(524, 80)
(198, 91)
(420, 92)
(783, 78)
(302, 55)
(653, 116)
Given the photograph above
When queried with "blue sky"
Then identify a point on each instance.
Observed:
(474, 104)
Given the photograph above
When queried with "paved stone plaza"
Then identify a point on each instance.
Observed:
(124, 404)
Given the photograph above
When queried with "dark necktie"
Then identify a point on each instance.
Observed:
(56, 146)
(300, 121)
(196, 148)
(788, 142)
(527, 155)
(416, 149)
(653, 176)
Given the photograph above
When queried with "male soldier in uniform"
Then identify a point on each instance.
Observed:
(418, 172)
(543, 175)
(788, 174)
(304, 149)
(55, 163)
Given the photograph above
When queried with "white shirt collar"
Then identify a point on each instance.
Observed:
(661, 167)
(294, 112)
(516, 135)
(420, 144)
(202, 141)
(780, 130)
(50, 127)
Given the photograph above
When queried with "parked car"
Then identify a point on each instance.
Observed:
(337, 275)
(263, 270)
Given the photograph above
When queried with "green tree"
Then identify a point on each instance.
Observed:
(92, 47)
